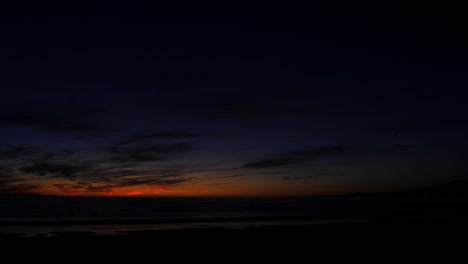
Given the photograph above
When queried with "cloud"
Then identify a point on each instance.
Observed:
(99, 189)
(6, 172)
(57, 155)
(300, 178)
(51, 113)
(317, 152)
(332, 174)
(151, 180)
(155, 152)
(161, 189)
(303, 156)
(15, 152)
(111, 174)
(256, 173)
(85, 175)
(66, 170)
(234, 176)
(19, 188)
(268, 163)
(295, 157)
(316, 176)
(70, 188)
(82, 188)
(20, 152)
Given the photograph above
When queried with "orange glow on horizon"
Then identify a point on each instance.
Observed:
(134, 193)
(161, 189)
(239, 188)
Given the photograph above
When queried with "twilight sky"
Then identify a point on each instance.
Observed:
(231, 101)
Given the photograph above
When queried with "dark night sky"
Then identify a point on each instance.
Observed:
(231, 101)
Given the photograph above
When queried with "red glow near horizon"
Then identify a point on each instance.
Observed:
(161, 189)
(134, 193)
(72, 193)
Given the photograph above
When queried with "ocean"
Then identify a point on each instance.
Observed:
(48, 216)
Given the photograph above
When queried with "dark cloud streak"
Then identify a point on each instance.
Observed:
(295, 157)
(154, 152)
(335, 151)
(66, 170)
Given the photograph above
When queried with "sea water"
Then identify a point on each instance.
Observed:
(103, 215)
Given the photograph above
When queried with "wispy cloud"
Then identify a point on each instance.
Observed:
(66, 170)
(18, 188)
(152, 180)
(15, 152)
(300, 178)
(154, 152)
(334, 151)
(295, 157)
(6, 172)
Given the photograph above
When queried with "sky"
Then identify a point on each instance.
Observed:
(153, 100)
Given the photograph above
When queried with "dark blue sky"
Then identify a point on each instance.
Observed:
(225, 100)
